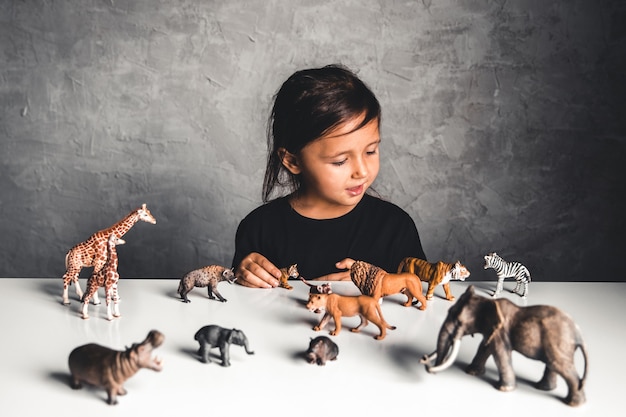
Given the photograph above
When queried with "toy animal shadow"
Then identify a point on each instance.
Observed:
(538, 332)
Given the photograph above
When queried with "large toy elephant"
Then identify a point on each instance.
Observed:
(215, 336)
(538, 332)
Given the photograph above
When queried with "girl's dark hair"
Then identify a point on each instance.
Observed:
(310, 104)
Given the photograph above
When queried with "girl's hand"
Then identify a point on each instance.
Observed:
(256, 271)
(338, 276)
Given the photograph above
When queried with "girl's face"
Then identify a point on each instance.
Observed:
(336, 170)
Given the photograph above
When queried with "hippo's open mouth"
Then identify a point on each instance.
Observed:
(157, 363)
(154, 340)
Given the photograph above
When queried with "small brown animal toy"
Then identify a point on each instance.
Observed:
(209, 276)
(337, 306)
(378, 283)
(435, 274)
(109, 369)
(539, 332)
(286, 273)
(318, 289)
(106, 277)
(322, 349)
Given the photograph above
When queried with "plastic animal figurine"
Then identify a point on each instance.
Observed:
(93, 251)
(321, 349)
(506, 269)
(215, 336)
(109, 369)
(106, 277)
(209, 276)
(336, 306)
(324, 288)
(439, 273)
(378, 283)
(539, 332)
(286, 273)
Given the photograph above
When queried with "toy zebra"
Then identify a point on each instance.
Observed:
(506, 269)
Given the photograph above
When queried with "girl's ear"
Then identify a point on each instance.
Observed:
(289, 161)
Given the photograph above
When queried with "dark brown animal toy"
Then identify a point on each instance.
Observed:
(209, 277)
(539, 332)
(107, 368)
(322, 349)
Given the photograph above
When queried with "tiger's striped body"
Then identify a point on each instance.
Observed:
(506, 269)
(439, 273)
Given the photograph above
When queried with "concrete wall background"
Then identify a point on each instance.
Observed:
(503, 124)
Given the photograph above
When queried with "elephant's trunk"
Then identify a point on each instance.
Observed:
(442, 362)
(245, 346)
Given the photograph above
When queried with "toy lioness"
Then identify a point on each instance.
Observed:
(378, 283)
(336, 306)
(435, 274)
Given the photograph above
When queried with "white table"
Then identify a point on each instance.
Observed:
(369, 376)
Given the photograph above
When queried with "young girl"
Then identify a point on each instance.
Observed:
(323, 143)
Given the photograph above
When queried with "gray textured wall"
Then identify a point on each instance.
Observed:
(503, 124)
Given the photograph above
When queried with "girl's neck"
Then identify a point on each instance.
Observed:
(316, 209)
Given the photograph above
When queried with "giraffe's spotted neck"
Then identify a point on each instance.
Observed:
(120, 228)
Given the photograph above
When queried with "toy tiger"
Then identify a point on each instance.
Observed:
(435, 274)
(286, 273)
(506, 269)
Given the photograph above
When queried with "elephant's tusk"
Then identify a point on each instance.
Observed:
(427, 359)
(448, 361)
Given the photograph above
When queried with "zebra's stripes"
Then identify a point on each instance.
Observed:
(506, 269)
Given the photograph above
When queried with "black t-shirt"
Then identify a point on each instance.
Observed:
(375, 231)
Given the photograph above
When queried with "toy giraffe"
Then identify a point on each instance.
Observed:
(106, 277)
(93, 251)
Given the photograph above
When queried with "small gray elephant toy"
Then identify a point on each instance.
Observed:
(538, 332)
(215, 336)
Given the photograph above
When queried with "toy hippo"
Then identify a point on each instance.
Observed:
(107, 368)
(215, 336)
(209, 277)
(322, 349)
